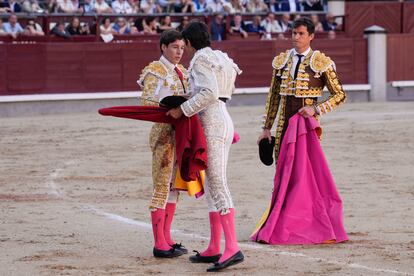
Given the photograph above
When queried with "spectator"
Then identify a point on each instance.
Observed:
(316, 22)
(14, 6)
(188, 6)
(270, 24)
(164, 5)
(255, 26)
(121, 7)
(88, 6)
(60, 31)
(66, 6)
(121, 27)
(51, 6)
(218, 28)
(139, 25)
(215, 6)
(165, 24)
(176, 6)
(75, 28)
(183, 23)
(77, 6)
(285, 23)
(150, 25)
(201, 6)
(329, 24)
(31, 6)
(32, 28)
(131, 26)
(237, 26)
(102, 7)
(106, 27)
(13, 27)
(4, 7)
(312, 5)
(234, 6)
(135, 5)
(2, 32)
(150, 7)
(287, 6)
(256, 6)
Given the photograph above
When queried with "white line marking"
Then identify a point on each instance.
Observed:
(249, 245)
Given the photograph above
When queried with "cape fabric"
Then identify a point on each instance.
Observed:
(191, 146)
(306, 207)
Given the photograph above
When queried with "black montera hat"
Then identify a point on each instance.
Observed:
(266, 151)
(172, 101)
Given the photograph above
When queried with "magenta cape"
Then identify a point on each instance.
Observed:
(306, 207)
(191, 146)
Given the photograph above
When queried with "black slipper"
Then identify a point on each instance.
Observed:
(197, 258)
(233, 260)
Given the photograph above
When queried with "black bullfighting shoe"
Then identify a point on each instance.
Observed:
(197, 258)
(180, 247)
(172, 253)
(233, 260)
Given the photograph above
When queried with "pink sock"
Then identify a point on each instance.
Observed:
(169, 216)
(227, 221)
(215, 235)
(157, 218)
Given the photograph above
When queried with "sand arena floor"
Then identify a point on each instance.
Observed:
(74, 192)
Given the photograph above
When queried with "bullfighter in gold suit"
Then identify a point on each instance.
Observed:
(162, 78)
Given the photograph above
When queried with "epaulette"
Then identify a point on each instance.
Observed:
(155, 68)
(280, 60)
(319, 63)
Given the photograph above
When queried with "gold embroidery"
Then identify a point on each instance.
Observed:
(280, 61)
(334, 86)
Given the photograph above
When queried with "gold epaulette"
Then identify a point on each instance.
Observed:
(155, 68)
(280, 60)
(319, 63)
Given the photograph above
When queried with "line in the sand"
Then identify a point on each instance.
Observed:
(248, 245)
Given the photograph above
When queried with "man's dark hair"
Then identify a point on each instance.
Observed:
(169, 36)
(196, 32)
(304, 21)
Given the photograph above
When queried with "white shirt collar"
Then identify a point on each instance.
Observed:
(167, 63)
(304, 53)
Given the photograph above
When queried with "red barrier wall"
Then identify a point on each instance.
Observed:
(400, 61)
(99, 67)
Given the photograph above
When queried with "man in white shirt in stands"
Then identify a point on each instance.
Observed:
(121, 7)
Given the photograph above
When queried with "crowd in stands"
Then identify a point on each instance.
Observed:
(264, 21)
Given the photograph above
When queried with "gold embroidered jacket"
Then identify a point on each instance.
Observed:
(315, 71)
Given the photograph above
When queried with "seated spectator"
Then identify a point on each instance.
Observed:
(256, 6)
(286, 6)
(176, 6)
(285, 23)
(234, 6)
(150, 25)
(32, 28)
(164, 6)
(51, 6)
(312, 5)
(106, 26)
(270, 24)
(150, 7)
(60, 31)
(188, 6)
(14, 6)
(184, 22)
(139, 24)
(88, 7)
(135, 5)
(2, 32)
(330, 24)
(215, 6)
(165, 24)
(255, 26)
(75, 28)
(218, 28)
(237, 26)
(66, 6)
(121, 7)
(13, 27)
(31, 6)
(121, 27)
(4, 6)
(201, 6)
(316, 22)
(102, 7)
(131, 25)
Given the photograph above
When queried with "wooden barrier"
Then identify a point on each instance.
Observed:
(99, 67)
(400, 61)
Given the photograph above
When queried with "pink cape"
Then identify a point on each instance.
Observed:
(306, 207)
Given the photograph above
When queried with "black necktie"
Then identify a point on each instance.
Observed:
(297, 66)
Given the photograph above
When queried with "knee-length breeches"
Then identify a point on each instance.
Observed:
(219, 130)
(162, 143)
